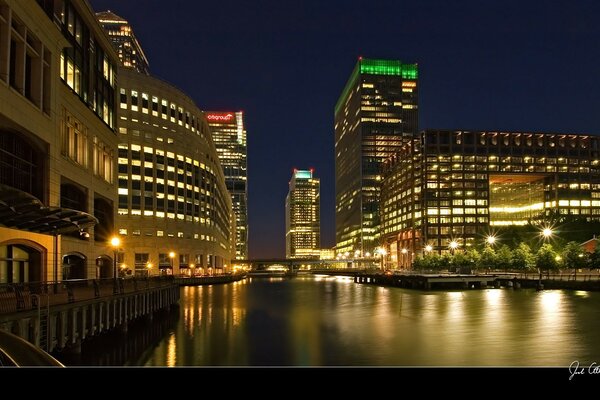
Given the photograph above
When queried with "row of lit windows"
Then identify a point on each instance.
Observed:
(26, 61)
(508, 168)
(161, 233)
(167, 111)
(75, 146)
(508, 139)
(84, 65)
(457, 220)
(508, 159)
(159, 156)
(143, 260)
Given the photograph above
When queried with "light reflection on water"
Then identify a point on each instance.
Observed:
(333, 321)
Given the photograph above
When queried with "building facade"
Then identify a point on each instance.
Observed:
(124, 40)
(461, 186)
(302, 216)
(375, 115)
(229, 136)
(57, 142)
(174, 212)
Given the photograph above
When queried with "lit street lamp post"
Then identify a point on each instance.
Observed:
(381, 251)
(115, 242)
(171, 257)
(404, 257)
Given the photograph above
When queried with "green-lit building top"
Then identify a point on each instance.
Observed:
(378, 67)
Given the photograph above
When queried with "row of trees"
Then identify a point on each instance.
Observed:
(520, 258)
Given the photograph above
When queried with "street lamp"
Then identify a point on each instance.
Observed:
(428, 248)
(381, 251)
(491, 239)
(171, 257)
(149, 267)
(453, 246)
(547, 233)
(115, 242)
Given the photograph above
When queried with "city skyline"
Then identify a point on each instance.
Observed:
(506, 66)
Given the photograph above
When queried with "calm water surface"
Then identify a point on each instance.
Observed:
(333, 321)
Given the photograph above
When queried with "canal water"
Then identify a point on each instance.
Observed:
(333, 321)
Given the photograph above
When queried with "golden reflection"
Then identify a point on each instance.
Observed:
(381, 313)
(455, 306)
(550, 301)
(334, 321)
(171, 352)
(493, 297)
(582, 293)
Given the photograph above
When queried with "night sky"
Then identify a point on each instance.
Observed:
(501, 65)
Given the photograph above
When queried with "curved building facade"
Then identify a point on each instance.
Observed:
(174, 211)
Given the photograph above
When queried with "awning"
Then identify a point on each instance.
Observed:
(20, 210)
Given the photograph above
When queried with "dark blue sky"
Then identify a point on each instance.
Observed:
(507, 65)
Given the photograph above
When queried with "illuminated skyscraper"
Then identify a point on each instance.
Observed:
(124, 41)
(376, 113)
(302, 216)
(229, 136)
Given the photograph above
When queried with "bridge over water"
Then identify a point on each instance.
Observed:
(296, 264)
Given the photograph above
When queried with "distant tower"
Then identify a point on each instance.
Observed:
(375, 115)
(229, 136)
(302, 216)
(124, 41)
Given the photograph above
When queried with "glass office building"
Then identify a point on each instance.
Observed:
(302, 216)
(375, 115)
(461, 186)
(229, 137)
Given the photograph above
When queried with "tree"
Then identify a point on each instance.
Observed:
(594, 258)
(545, 259)
(488, 258)
(431, 261)
(504, 258)
(522, 258)
(574, 256)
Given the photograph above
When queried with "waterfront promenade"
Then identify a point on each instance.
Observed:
(60, 315)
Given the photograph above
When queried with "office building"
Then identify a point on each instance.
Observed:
(124, 41)
(375, 115)
(174, 212)
(229, 136)
(57, 142)
(461, 186)
(302, 216)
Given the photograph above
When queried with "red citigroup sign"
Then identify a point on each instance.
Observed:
(220, 117)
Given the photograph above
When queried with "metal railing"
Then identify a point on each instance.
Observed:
(31, 295)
